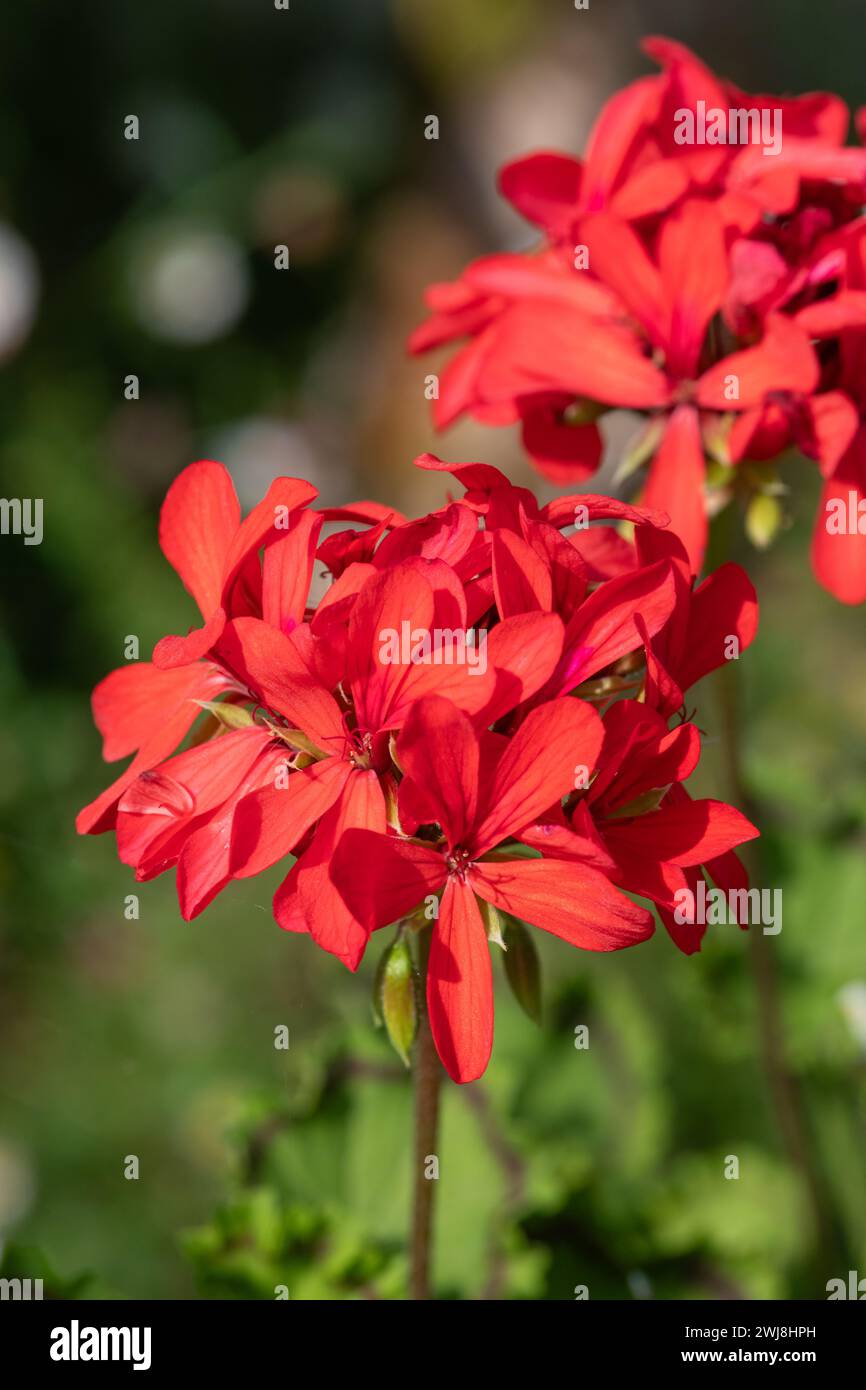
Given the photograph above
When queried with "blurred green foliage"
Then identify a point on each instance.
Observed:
(261, 1168)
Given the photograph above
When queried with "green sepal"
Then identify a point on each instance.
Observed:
(230, 716)
(522, 967)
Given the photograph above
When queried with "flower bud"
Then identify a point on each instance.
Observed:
(395, 996)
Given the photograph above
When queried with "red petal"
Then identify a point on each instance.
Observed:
(522, 653)
(270, 822)
(604, 627)
(267, 522)
(203, 865)
(651, 189)
(839, 557)
(562, 453)
(330, 920)
(475, 477)
(438, 750)
(372, 512)
(661, 691)
(382, 878)
(516, 277)
(173, 652)
(198, 521)
(618, 256)
(522, 581)
(544, 188)
(724, 606)
(287, 908)
(622, 119)
(556, 839)
(542, 347)
(537, 768)
(269, 664)
(460, 986)
(834, 422)
(162, 734)
(287, 570)
(686, 935)
(694, 268)
(830, 317)
(683, 832)
(728, 873)
(570, 900)
(562, 511)
(783, 361)
(676, 482)
(386, 601)
(161, 802)
(132, 703)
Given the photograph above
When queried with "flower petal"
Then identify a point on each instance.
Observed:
(330, 919)
(270, 822)
(682, 832)
(268, 662)
(438, 751)
(197, 524)
(725, 605)
(537, 767)
(783, 361)
(460, 986)
(838, 545)
(544, 188)
(382, 878)
(287, 569)
(569, 899)
(676, 482)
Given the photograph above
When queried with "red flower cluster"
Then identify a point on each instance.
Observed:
(475, 715)
(705, 265)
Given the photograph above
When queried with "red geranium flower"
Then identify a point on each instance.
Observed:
(692, 283)
(383, 768)
(148, 707)
(481, 792)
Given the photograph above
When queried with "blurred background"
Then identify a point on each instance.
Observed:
(155, 258)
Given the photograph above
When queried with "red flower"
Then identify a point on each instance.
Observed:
(481, 793)
(710, 624)
(345, 789)
(685, 281)
(656, 835)
(147, 708)
(381, 774)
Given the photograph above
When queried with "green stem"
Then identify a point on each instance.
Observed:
(782, 1082)
(427, 1077)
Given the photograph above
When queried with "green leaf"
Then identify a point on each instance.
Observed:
(522, 967)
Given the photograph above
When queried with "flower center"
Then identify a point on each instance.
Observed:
(361, 750)
(458, 862)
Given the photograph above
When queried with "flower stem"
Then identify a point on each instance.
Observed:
(783, 1084)
(427, 1077)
